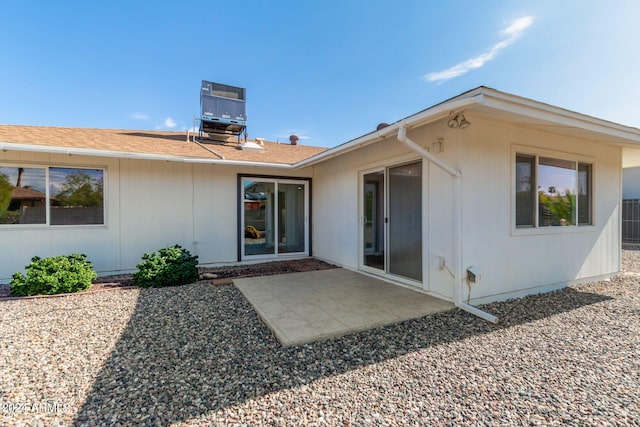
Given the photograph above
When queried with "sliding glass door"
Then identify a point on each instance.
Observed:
(291, 217)
(392, 221)
(259, 203)
(374, 217)
(405, 220)
(273, 217)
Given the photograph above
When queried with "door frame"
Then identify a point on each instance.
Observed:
(384, 273)
(240, 216)
(362, 223)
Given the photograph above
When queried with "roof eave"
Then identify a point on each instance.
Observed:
(426, 116)
(491, 99)
(12, 146)
(496, 100)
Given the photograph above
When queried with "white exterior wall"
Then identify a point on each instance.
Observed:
(515, 262)
(153, 204)
(511, 262)
(148, 205)
(337, 199)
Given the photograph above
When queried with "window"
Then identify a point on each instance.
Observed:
(525, 196)
(563, 192)
(53, 196)
(585, 194)
(23, 197)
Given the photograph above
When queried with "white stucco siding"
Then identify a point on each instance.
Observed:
(156, 202)
(193, 205)
(440, 226)
(520, 261)
(215, 210)
(512, 262)
(148, 205)
(335, 213)
(338, 198)
(438, 206)
(99, 242)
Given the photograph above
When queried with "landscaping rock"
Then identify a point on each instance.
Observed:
(199, 355)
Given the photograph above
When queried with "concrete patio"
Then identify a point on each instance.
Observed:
(309, 306)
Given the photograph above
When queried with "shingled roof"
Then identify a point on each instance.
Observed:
(173, 144)
(21, 193)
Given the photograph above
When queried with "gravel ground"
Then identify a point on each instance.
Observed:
(199, 355)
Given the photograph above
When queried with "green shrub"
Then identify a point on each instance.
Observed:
(172, 266)
(56, 275)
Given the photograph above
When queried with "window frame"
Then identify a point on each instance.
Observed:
(276, 179)
(47, 167)
(537, 153)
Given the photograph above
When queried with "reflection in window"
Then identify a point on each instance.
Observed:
(525, 196)
(23, 198)
(274, 217)
(556, 192)
(564, 192)
(76, 196)
(584, 194)
(258, 217)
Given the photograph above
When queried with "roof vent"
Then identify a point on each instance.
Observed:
(222, 109)
(382, 125)
(251, 146)
(293, 139)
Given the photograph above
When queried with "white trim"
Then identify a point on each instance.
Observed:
(427, 116)
(426, 230)
(527, 107)
(47, 169)
(10, 146)
(361, 255)
(537, 230)
(384, 273)
(489, 98)
(540, 289)
(275, 254)
(456, 174)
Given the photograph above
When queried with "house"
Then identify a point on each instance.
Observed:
(482, 197)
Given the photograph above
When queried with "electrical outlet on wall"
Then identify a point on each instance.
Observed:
(441, 262)
(473, 274)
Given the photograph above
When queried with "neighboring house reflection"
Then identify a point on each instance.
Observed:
(29, 205)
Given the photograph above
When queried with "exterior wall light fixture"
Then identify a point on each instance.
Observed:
(458, 122)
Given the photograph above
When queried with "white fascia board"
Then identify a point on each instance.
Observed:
(559, 116)
(427, 116)
(12, 146)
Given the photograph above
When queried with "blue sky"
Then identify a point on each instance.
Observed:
(328, 71)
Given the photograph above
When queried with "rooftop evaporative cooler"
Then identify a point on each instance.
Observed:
(222, 109)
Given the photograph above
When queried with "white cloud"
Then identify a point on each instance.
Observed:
(139, 116)
(518, 26)
(169, 123)
(513, 32)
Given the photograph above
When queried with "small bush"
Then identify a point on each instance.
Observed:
(55, 275)
(172, 266)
